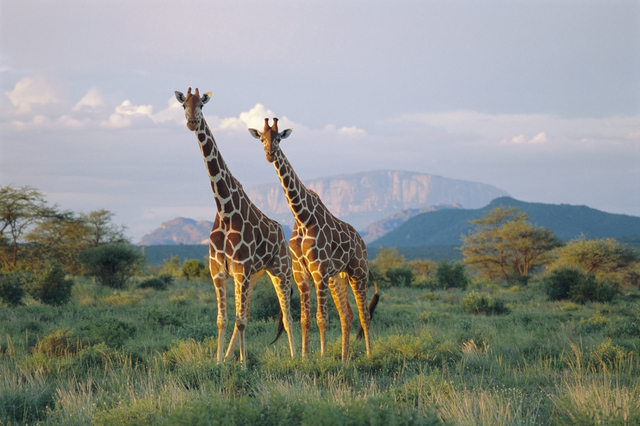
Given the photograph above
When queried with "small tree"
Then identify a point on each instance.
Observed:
(193, 269)
(400, 277)
(605, 258)
(50, 285)
(575, 285)
(451, 275)
(11, 289)
(112, 265)
(506, 246)
(100, 229)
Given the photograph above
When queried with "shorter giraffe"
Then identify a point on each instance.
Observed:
(323, 248)
(244, 243)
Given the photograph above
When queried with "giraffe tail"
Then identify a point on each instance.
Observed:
(280, 323)
(372, 305)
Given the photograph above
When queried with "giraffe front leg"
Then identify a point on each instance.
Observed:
(219, 283)
(302, 279)
(322, 317)
(235, 336)
(242, 295)
(338, 288)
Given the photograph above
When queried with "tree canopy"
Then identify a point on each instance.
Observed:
(505, 245)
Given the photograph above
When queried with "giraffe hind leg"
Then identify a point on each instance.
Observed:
(338, 288)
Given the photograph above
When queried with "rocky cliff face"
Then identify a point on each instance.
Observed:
(363, 198)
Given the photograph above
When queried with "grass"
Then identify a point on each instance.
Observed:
(143, 356)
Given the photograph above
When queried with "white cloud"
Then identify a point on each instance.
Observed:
(173, 112)
(539, 138)
(92, 99)
(254, 119)
(127, 108)
(31, 91)
(115, 121)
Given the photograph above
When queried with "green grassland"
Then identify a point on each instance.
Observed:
(143, 356)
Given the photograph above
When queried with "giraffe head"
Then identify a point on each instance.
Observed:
(192, 105)
(270, 137)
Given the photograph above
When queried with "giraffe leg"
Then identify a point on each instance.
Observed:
(302, 279)
(282, 284)
(338, 288)
(234, 337)
(219, 283)
(242, 281)
(322, 316)
(360, 286)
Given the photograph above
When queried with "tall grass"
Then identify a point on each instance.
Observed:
(433, 362)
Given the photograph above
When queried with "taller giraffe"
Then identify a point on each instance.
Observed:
(322, 247)
(244, 243)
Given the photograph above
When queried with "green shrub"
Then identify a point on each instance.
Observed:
(452, 275)
(12, 289)
(112, 265)
(26, 404)
(399, 277)
(154, 283)
(50, 286)
(575, 285)
(193, 269)
(111, 331)
(59, 343)
(163, 318)
(482, 303)
(197, 331)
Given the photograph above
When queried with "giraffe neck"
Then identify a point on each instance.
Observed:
(301, 201)
(223, 183)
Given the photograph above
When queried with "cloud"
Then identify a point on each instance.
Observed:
(119, 119)
(31, 91)
(173, 112)
(521, 139)
(254, 118)
(92, 99)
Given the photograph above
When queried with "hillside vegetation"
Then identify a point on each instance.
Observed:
(445, 227)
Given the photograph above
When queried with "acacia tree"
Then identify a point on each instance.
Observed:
(20, 210)
(100, 229)
(505, 245)
(605, 258)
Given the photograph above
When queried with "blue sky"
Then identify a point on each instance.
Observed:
(539, 98)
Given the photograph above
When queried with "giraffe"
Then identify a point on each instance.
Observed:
(244, 243)
(323, 248)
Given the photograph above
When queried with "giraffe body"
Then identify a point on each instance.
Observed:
(244, 243)
(323, 249)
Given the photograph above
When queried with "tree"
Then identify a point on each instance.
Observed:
(193, 269)
(388, 258)
(451, 275)
(111, 264)
(100, 230)
(605, 258)
(20, 209)
(504, 245)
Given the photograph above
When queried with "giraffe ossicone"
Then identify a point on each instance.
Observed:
(244, 243)
(323, 248)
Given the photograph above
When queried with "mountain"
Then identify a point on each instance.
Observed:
(445, 227)
(382, 227)
(184, 231)
(364, 198)
(179, 231)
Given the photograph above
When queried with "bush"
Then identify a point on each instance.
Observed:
(400, 277)
(482, 303)
(193, 269)
(111, 331)
(154, 283)
(112, 265)
(12, 289)
(51, 287)
(575, 285)
(452, 275)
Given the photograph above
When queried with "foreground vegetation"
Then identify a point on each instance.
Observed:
(142, 355)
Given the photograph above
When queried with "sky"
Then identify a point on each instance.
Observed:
(538, 98)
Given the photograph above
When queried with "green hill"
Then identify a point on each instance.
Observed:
(445, 227)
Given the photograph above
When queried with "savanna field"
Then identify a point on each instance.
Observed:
(485, 354)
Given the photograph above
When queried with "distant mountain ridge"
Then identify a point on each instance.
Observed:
(180, 230)
(445, 227)
(364, 198)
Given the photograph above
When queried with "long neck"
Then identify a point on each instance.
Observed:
(223, 183)
(301, 201)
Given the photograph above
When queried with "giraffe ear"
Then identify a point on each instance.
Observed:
(256, 134)
(180, 97)
(285, 134)
(206, 98)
